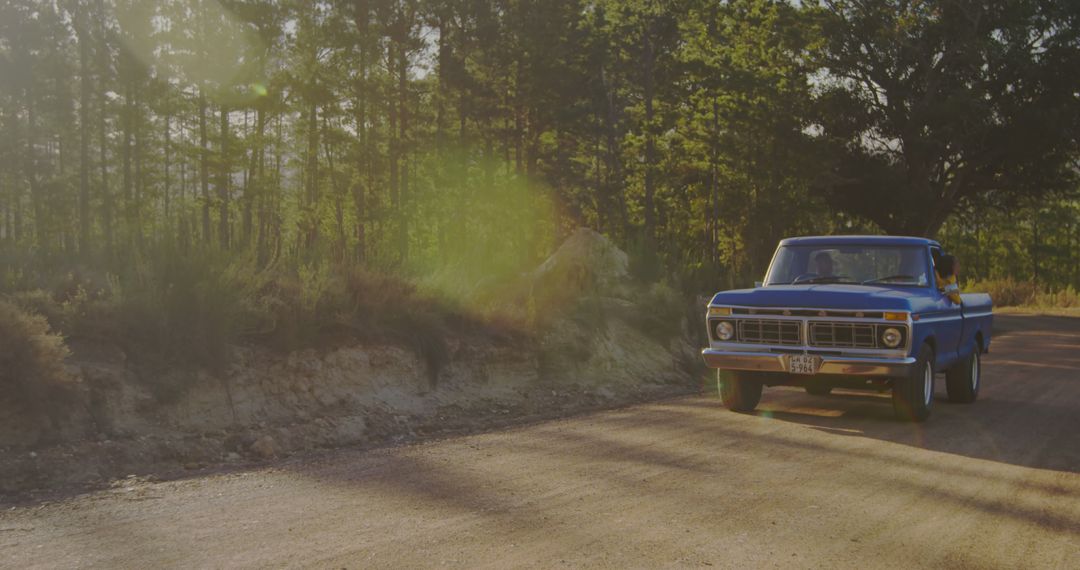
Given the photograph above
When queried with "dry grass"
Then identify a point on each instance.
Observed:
(1012, 293)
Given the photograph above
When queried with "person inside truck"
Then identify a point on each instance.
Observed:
(945, 269)
(823, 264)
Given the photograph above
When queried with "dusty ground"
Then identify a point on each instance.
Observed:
(807, 482)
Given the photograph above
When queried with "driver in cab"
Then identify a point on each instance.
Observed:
(823, 264)
(946, 267)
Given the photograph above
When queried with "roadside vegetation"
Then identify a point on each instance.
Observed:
(32, 374)
(180, 176)
(1028, 295)
(187, 312)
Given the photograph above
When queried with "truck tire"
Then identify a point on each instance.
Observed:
(913, 395)
(739, 391)
(963, 379)
(817, 390)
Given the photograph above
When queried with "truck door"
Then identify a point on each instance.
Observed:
(948, 323)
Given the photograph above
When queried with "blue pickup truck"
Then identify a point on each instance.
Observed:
(860, 312)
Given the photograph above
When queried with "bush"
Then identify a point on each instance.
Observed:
(1062, 299)
(659, 312)
(174, 313)
(32, 362)
(1005, 292)
(1012, 293)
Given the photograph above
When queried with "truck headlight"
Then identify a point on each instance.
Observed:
(724, 330)
(891, 337)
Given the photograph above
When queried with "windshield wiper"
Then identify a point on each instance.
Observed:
(890, 278)
(822, 279)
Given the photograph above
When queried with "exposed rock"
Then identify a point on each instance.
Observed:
(586, 260)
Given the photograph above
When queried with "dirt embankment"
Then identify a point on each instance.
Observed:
(598, 349)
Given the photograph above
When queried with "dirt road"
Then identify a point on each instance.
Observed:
(807, 482)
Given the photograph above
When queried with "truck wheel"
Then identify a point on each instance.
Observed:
(739, 391)
(963, 379)
(818, 390)
(913, 395)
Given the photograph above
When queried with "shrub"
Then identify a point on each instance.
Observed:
(32, 362)
(181, 310)
(1009, 292)
(659, 312)
(174, 313)
(1061, 299)
(1005, 292)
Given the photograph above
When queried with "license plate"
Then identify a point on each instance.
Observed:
(802, 364)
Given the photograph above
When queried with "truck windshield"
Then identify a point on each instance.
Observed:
(861, 264)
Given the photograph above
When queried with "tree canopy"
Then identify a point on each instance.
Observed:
(930, 106)
(462, 138)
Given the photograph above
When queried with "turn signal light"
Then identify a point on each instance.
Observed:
(716, 311)
(895, 316)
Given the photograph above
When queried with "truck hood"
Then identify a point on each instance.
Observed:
(830, 296)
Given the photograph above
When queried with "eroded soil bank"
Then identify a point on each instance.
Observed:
(267, 405)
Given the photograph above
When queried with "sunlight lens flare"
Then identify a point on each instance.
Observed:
(192, 42)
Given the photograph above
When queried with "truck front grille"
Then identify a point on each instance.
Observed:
(768, 331)
(843, 335)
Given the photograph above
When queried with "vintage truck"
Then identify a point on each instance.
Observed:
(861, 312)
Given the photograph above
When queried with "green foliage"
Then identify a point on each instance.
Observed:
(180, 175)
(659, 312)
(926, 107)
(1039, 243)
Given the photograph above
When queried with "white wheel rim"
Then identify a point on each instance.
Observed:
(928, 384)
(975, 372)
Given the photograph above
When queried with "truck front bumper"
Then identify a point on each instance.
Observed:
(843, 365)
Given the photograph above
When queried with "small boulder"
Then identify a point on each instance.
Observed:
(265, 447)
(585, 259)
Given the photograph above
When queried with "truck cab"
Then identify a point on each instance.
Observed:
(855, 312)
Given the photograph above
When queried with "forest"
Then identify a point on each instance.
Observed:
(448, 145)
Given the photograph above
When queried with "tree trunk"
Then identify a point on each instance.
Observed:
(36, 199)
(339, 197)
(649, 56)
(223, 181)
(84, 135)
(125, 154)
(363, 163)
(204, 173)
(255, 178)
(312, 190)
(712, 223)
(614, 194)
(394, 149)
(140, 182)
(103, 147)
(167, 183)
(403, 124)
